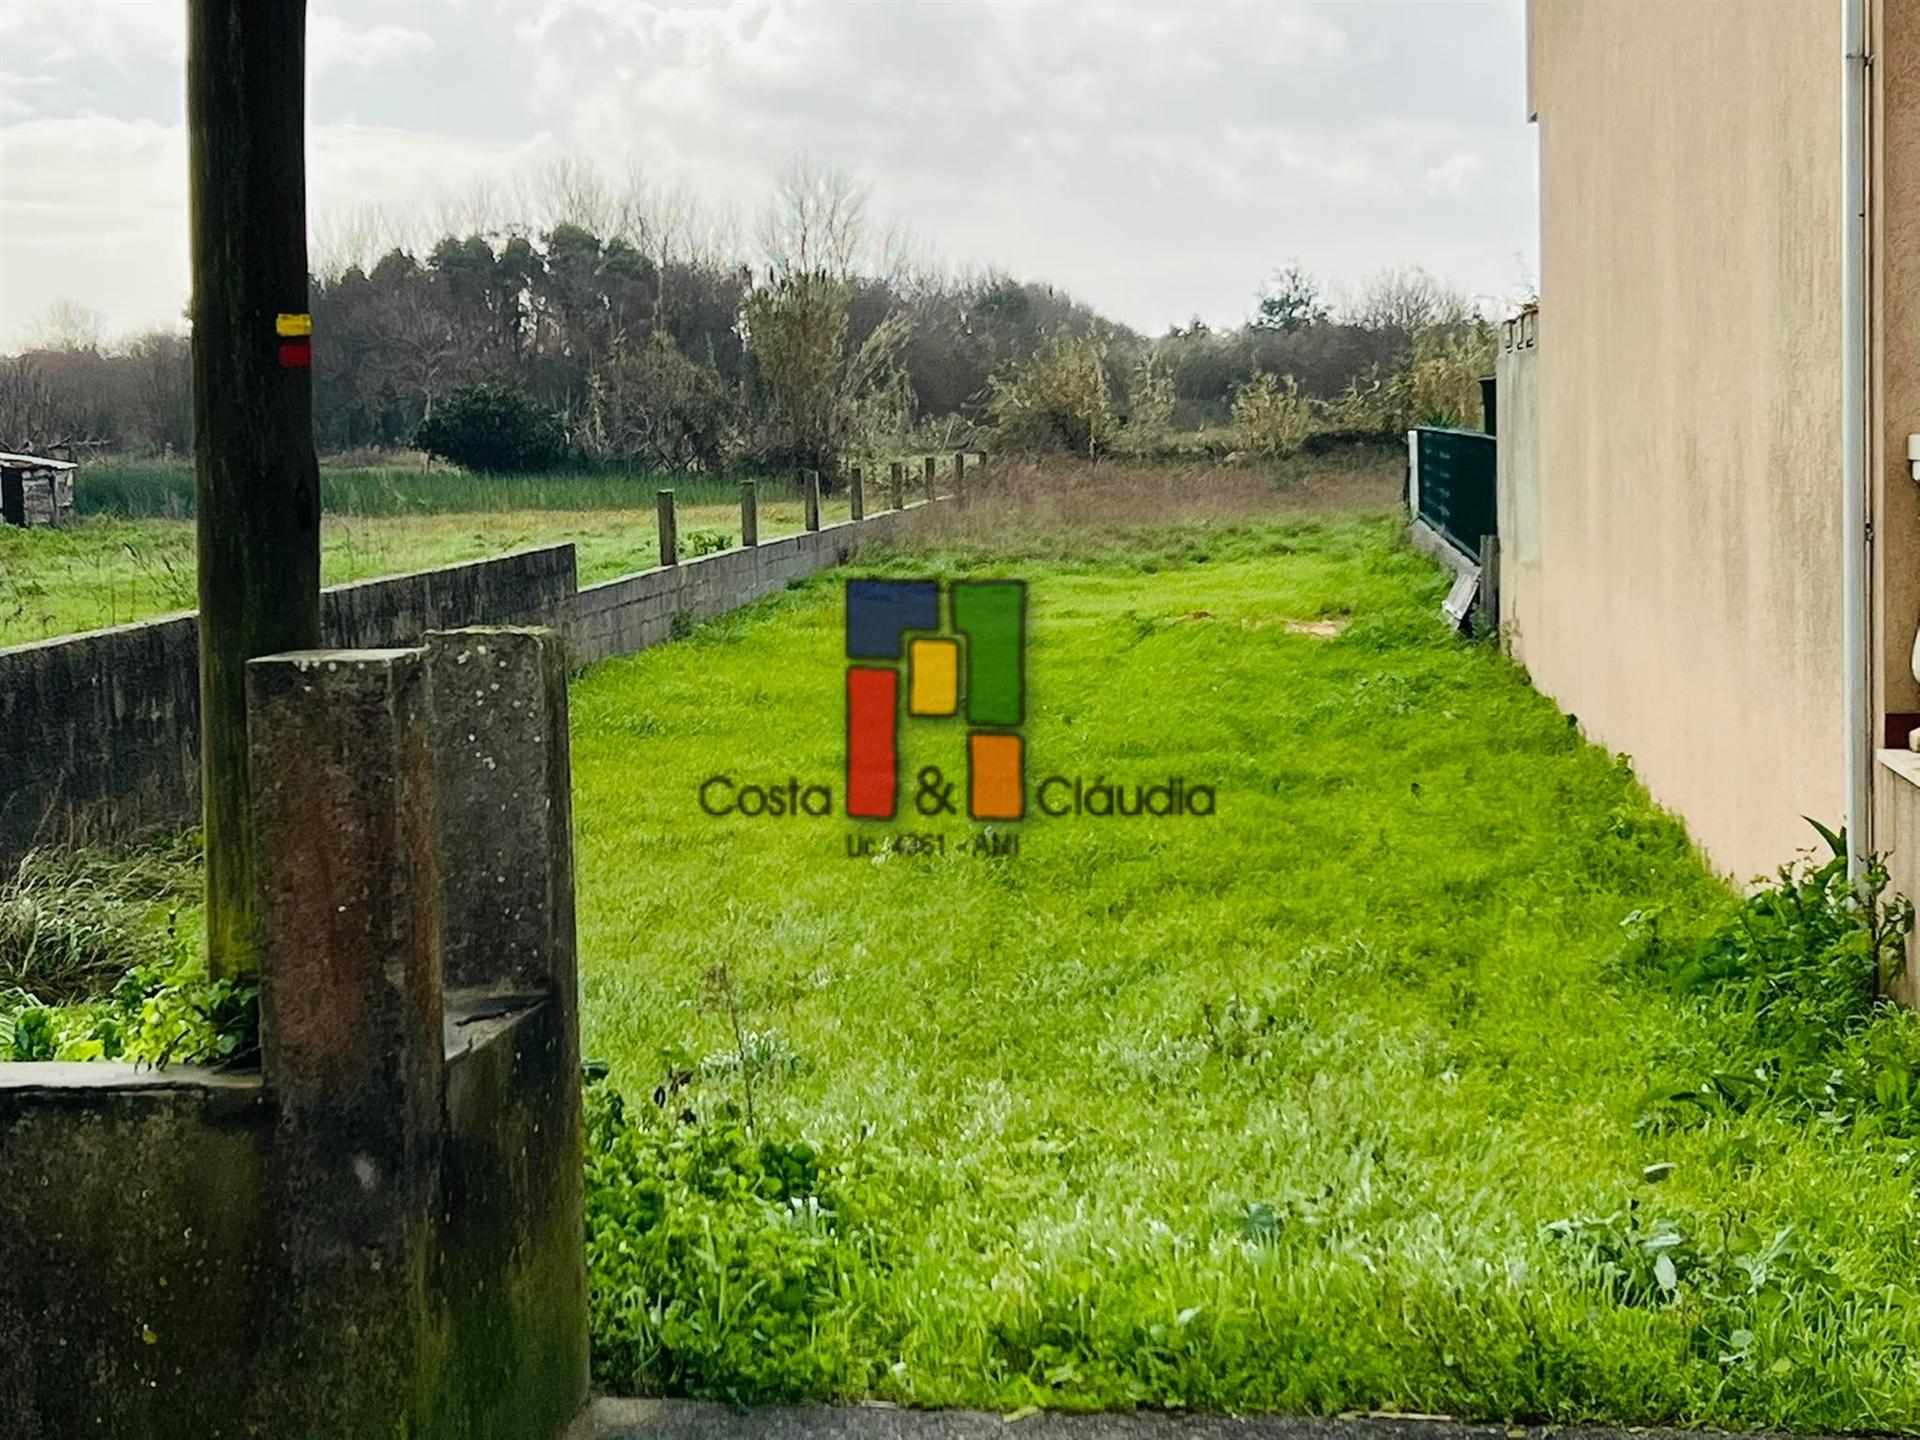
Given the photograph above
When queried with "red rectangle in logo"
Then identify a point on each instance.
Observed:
(873, 698)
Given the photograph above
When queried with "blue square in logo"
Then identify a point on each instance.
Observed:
(879, 612)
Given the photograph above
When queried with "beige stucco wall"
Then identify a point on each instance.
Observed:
(1896, 242)
(1895, 228)
(1689, 450)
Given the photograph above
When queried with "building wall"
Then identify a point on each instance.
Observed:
(1689, 442)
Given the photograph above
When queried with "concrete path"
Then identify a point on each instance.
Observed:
(696, 1420)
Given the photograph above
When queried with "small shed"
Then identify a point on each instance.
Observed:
(35, 490)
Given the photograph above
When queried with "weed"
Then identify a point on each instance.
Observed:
(72, 923)
(705, 542)
(99, 964)
(721, 1265)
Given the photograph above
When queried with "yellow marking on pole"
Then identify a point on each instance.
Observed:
(293, 325)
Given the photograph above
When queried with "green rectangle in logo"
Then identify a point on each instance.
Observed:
(992, 614)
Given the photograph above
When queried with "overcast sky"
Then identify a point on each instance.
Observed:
(1155, 157)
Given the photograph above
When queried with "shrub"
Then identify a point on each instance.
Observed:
(1150, 402)
(1444, 373)
(828, 402)
(1437, 382)
(1375, 403)
(655, 408)
(1058, 400)
(493, 428)
(696, 543)
(1271, 418)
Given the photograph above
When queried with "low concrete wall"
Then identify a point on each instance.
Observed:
(1517, 378)
(100, 733)
(1896, 819)
(621, 616)
(379, 1235)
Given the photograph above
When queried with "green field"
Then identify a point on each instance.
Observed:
(1431, 1072)
(1357, 1094)
(129, 559)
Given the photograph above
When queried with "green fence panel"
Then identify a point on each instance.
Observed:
(1457, 486)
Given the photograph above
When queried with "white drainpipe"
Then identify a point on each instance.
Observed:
(1856, 557)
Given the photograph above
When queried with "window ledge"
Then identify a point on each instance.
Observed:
(1904, 763)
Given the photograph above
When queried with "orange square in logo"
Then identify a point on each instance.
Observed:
(996, 786)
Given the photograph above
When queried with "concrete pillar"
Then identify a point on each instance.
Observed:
(350, 1013)
(933, 479)
(812, 487)
(749, 514)
(497, 705)
(897, 485)
(669, 528)
(857, 493)
(504, 798)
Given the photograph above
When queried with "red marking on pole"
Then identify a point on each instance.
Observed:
(873, 697)
(296, 354)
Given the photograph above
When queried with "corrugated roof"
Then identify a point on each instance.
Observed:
(32, 462)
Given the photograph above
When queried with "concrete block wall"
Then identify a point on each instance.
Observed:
(100, 733)
(621, 616)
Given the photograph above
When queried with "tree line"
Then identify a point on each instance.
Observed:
(614, 332)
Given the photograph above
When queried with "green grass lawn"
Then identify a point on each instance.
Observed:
(1276, 1109)
(105, 570)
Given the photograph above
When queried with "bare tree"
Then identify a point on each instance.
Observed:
(571, 191)
(816, 222)
(66, 325)
(163, 362)
(1407, 300)
(27, 406)
(352, 239)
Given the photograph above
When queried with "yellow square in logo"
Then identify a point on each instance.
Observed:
(933, 677)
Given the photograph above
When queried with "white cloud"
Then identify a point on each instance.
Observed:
(334, 42)
(101, 34)
(1457, 174)
(119, 242)
(1157, 157)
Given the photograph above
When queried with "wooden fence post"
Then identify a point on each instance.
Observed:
(857, 493)
(960, 478)
(813, 499)
(933, 480)
(897, 483)
(669, 529)
(749, 514)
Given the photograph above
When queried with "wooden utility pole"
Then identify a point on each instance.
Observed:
(257, 486)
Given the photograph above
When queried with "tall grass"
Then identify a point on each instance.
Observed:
(162, 489)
